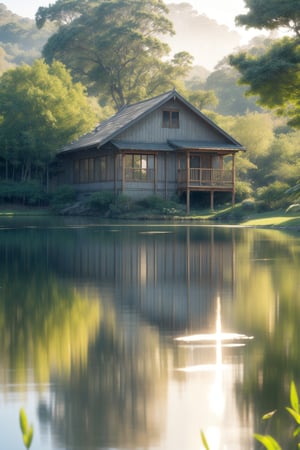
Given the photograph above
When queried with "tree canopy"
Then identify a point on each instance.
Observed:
(114, 46)
(41, 109)
(271, 15)
(274, 75)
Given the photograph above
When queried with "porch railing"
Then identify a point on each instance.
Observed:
(205, 177)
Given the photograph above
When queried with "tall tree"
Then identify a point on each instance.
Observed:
(40, 110)
(275, 75)
(114, 46)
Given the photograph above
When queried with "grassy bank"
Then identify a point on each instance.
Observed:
(234, 216)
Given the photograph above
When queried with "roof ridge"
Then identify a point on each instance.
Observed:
(164, 94)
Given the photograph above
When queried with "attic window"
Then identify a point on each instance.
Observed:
(170, 119)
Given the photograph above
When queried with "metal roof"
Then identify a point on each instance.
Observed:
(109, 129)
(205, 145)
(147, 146)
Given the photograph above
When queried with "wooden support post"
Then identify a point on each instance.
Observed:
(188, 193)
(188, 201)
(123, 171)
(115, 174)
(166, 175)
(233, 180)
(155, 174)
(211, 200)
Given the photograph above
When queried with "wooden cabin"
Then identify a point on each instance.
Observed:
(161, 146)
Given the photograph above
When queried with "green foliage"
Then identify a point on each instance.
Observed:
(273, 75)
(294, 410)
(101, 201)
(121, 205)
(105, 202)
(273, 196)
(157, 204)
(231, 96)
(243, 190)
(268, 441)
(118, 43)
(271, 15)
(202, 99)
(62, 196)
(284, 161)
(41, 109)
(26, 193)
(26, 430)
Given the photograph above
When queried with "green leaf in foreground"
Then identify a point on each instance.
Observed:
(294, 397)
(23, 421)
(269, 415)
(27, 432)
(204, 441)
(27, 438)
(294, 414)
(268, 442)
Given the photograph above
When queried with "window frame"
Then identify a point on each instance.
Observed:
(139, 167)
(170, 118)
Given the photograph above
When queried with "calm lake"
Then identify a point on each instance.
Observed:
(138, 336)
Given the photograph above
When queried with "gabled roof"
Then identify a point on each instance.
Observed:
(129, 115)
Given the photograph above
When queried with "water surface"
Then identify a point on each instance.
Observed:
(137, 336)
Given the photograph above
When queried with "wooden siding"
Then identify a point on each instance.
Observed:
(191, 127)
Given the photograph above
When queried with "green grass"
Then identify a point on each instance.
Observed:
(272, 219)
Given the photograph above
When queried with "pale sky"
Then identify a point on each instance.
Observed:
(221, 10)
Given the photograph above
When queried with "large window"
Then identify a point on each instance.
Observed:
(90, 170)
(170, 119)
(139, 167)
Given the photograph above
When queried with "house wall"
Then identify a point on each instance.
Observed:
(164, 183)
(191, 127)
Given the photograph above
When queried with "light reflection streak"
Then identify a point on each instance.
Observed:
(216, 389)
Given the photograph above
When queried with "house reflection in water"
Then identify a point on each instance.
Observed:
(169, 275)
(180, 281)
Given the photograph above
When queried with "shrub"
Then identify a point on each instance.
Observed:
(274, 195)
(25, 193)
(160, 205)
(122, 205)
(62, 196)
(101, 201)
(249, 204)
(243, 190)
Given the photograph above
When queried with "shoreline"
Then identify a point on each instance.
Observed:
(271, 220)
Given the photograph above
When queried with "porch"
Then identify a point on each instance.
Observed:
(204, 171)
(203, 178)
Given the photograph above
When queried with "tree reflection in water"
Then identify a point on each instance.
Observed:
(90, 316)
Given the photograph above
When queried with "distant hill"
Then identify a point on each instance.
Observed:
(201, 36)
(20, 40)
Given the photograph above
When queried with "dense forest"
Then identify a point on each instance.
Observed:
(58, 79)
